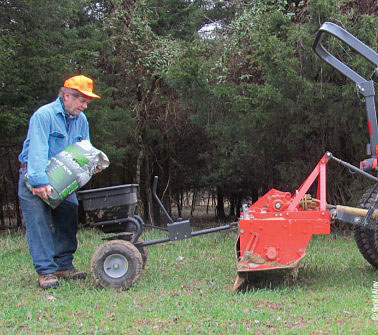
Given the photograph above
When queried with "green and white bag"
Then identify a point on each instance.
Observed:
(71, 169)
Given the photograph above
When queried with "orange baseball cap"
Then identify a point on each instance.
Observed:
(82, 84)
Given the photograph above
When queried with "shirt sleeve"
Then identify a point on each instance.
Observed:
(39, 129)
(85, 128)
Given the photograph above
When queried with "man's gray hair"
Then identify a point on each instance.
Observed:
(65, 90)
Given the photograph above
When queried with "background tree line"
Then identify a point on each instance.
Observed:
(247, 108)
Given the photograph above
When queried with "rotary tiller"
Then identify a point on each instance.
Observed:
(275, 231)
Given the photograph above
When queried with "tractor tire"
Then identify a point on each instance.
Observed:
(364, 237)
(117, 264)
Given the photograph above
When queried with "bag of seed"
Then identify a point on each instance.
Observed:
(71, 169)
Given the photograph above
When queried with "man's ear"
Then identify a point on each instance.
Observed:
(65, 96)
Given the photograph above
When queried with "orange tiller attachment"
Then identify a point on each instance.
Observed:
(275, 231)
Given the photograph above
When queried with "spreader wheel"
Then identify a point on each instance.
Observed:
(364, 236)
(126, 236)
(143, 251)
(116, 264)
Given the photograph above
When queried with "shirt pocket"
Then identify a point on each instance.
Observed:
(78, 138)
(57, 142)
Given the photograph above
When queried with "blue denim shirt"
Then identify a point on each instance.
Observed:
(49, 134)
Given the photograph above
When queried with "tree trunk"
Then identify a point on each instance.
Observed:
(14, 181)
(232, 206)
(209, 195)
(150, 210)
(238, 206)
(179, 205)
(193, 205)
(220, 204)
(141, 204)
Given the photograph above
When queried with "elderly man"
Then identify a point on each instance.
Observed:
(51, 233)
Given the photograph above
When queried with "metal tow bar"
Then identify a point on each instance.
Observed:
(356, 216)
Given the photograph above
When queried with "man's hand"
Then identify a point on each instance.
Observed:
(42, 192)
(97, 170)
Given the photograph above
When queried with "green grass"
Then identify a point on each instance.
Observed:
(186, 289)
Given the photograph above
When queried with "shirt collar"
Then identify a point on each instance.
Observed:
(65, 113)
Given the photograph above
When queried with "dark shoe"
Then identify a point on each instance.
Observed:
(70, 274)
(48, 281)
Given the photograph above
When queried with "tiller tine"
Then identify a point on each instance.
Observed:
(240, 280)
(276, 230)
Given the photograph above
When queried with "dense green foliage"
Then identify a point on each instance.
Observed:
(248, 108)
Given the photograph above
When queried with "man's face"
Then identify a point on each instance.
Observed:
(75, 105)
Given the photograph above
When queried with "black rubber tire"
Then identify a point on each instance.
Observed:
(126, 236)
(122, 252)
(143, 251)
(364, 237)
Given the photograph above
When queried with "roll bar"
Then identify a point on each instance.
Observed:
(351, 41)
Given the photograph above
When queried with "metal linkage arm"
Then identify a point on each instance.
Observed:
(355, 216)
(179, 230)
(154, 186)
(352, 167)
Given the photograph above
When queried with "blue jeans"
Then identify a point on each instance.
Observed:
(50, 233)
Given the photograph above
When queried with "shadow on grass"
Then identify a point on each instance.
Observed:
(310, 276)
(343, 275)
(274, 279)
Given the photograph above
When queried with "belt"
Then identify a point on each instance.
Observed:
(23, 165)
